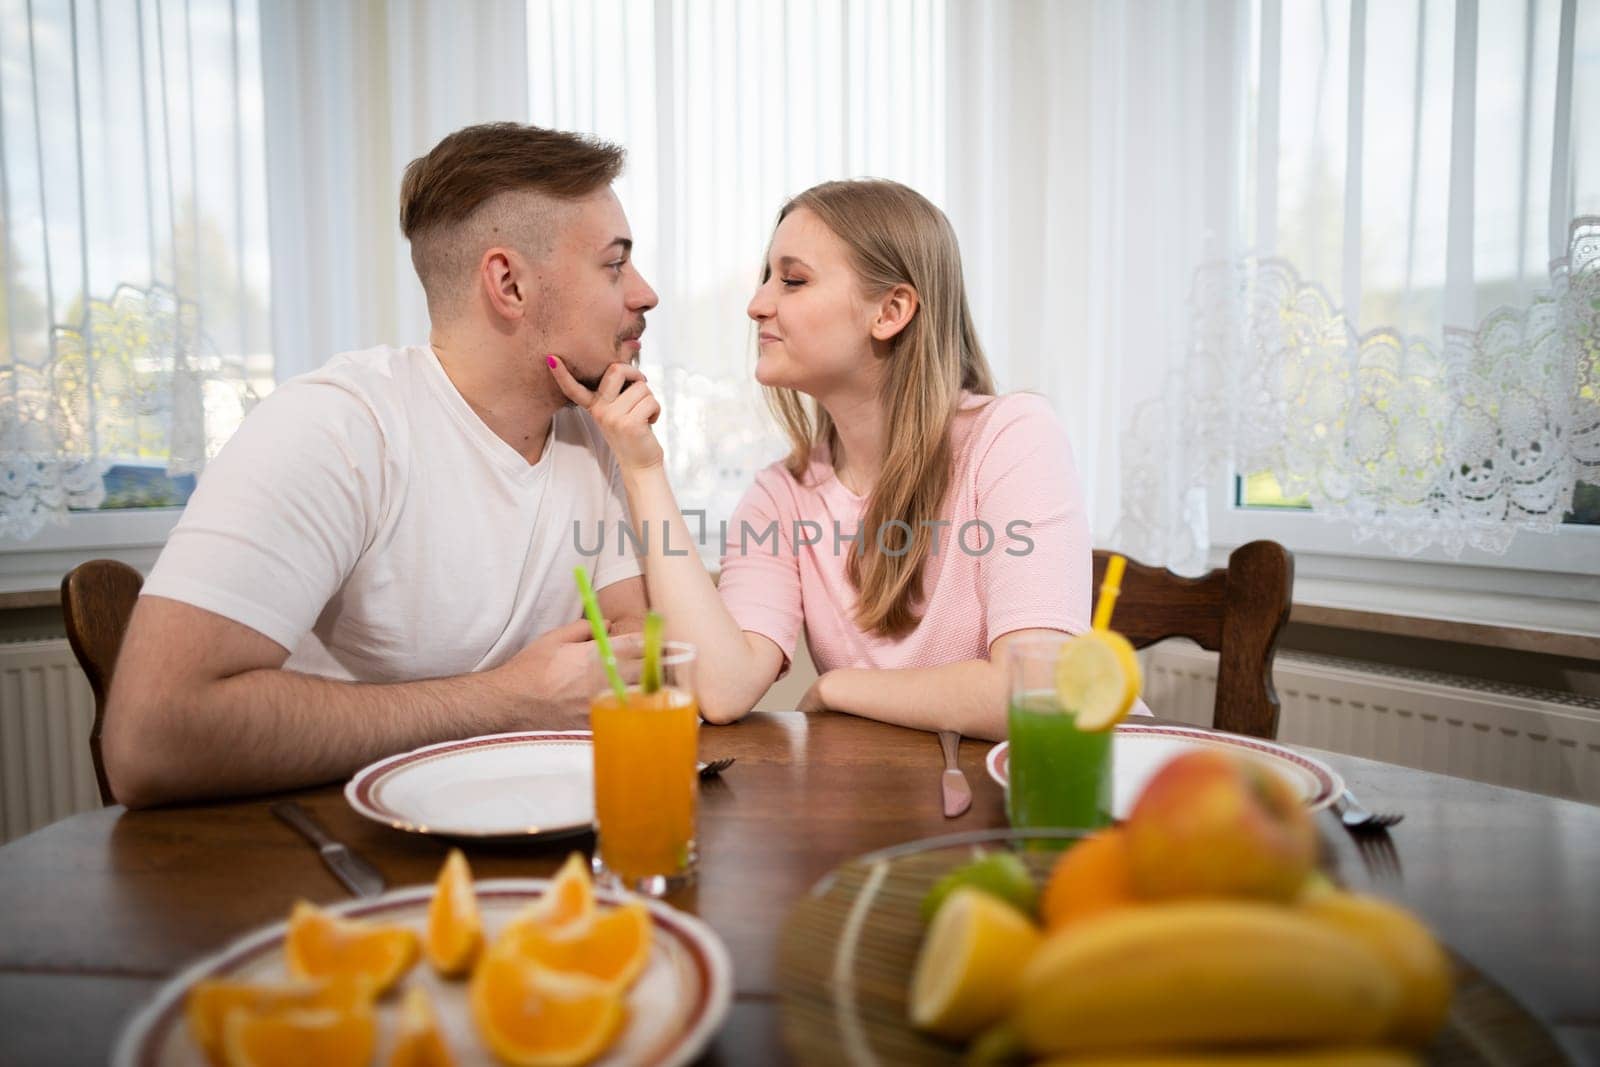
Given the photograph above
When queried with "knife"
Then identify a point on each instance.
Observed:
(953, 784)
(358, 876)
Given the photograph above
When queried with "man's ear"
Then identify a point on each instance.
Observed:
(502, 274)
(895, 310)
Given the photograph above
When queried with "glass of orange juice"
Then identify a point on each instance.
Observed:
(645, 779)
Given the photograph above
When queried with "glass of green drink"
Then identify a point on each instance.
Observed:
(1060, 776)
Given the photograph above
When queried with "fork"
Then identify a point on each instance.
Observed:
(715, 767)
(1358, 819)
(1378, 855)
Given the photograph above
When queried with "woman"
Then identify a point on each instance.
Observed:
(919, 524)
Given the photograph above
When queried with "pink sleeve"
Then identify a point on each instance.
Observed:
(1038, 572)
(760, 580)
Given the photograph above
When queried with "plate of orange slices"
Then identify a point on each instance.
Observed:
(521, 971)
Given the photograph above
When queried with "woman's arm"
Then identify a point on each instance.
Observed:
(734, 668)
(968, 697)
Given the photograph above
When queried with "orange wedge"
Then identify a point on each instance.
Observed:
(611, 947)
(531, 1017)
(209, 1003)
(455, 929)
(569, 898)
(293, 1037)
(418, 1042)
(320, 945)
(1091, 877)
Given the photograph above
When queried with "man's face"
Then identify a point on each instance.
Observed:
(593, 301)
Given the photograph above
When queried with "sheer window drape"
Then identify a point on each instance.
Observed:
(1219, 234)
(354, 92)
(1337, 240)
(1400, 320)
(726, 109)
(132, 227)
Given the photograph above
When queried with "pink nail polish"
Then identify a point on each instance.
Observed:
(551, 360)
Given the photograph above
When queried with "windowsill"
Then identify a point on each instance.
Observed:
(1545, 612)
(1541, 595)
(1325, 604)
(31, 571)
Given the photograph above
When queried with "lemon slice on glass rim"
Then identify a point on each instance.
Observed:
(1097, 679)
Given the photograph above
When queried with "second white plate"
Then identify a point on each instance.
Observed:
(1138, 751)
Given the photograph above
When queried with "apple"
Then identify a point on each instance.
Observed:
(1210, 824)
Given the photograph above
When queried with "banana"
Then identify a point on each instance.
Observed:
(1409, 949)
(1202, 973)
(1337, 1056)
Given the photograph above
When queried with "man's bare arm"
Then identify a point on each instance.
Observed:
(200, 706)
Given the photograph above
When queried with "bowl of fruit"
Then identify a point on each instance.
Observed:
(1199, 930)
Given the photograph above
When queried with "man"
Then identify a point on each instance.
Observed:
(382, 556)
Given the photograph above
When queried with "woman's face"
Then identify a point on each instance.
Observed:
(813, 322)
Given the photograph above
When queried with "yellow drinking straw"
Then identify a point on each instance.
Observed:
(1109, 588)
(597, 626)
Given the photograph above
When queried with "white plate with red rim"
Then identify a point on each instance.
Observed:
(674, 1009)
(1138, 751)
(536, 783)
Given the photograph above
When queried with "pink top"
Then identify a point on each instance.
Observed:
(1015, 555)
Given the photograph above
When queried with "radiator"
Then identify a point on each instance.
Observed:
(46, 713)
(1525, 738)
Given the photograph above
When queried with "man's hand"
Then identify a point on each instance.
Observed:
(559, 672)
(624, 409)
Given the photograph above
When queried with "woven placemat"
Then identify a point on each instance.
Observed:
(847, 951)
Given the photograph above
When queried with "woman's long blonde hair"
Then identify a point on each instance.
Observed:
(896, 237)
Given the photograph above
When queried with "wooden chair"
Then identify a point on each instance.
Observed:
(1237, 611)
(97, 600)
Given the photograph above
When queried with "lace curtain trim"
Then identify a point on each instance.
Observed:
(1457, 445)
(135, 379)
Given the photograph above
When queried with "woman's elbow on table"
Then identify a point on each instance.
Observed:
(718, 710)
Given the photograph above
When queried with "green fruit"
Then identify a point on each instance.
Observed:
(998, 1045)
(1316, 886)
(1000, 874)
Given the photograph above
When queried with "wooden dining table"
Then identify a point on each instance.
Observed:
(97, 910)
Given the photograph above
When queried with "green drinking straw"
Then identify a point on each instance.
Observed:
(591, 608)
(650, 680)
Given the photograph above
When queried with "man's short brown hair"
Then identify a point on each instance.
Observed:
(446, 193)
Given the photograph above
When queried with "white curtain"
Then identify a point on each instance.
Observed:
(354, 91)
(1015, 117)
(132, 245)
(1090, 173)
(1399, 319)
(726, 109)
(1220, 235)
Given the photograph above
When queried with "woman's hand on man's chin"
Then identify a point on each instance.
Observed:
(623, 407)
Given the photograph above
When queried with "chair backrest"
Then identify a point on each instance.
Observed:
(1237, 612)
(97, 600)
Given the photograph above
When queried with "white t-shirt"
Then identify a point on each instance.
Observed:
(366, 519)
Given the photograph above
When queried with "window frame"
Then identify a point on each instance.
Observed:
(134, 536)
(1547, 581)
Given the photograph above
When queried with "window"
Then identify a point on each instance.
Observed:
(135, 267)
(1417, 170)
